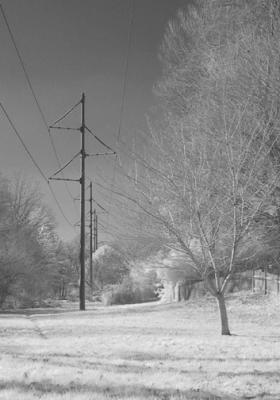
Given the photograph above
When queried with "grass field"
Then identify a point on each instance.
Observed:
(149, 351)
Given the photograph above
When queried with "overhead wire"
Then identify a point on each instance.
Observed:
(126, 65)
(23, 65)
(124, 88)
(27, 77)
(34, 162)
(122, 106)
(22, 142)
(120, 226)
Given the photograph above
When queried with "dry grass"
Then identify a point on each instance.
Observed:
(146, 352)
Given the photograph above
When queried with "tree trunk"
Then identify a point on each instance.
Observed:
(223, 314)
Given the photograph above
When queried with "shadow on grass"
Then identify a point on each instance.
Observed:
(142, 356)
(74, 360)
(97, 308)
(114, 391)
(254, 373)
(106, 367)
(35, 311)
(267, 338)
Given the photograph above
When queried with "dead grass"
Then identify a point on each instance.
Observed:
(149, 351)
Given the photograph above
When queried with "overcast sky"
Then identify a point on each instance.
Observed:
(71, 46)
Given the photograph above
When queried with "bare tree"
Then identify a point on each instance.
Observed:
(209, 177)
(28, 241)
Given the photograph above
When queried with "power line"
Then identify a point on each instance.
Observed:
(60, 208)
(27, 77)
(34, 161)
(23, 65)
(59, 164)
(22, 142)
(124, 88)
(129, 37)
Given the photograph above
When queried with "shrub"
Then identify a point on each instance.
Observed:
(128, 292)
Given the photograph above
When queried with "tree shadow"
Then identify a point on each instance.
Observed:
(267, 338)
(142, 356)
(254, 373)
(35, 311)
(111, 391)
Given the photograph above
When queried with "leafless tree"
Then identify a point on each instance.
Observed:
(28, 241)
(208, 173)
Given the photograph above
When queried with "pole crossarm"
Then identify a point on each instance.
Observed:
(102, 225)
(102, 208)
(65, 114)
(100, 141)
(99, 205)
(63, 128)
(66, 165)
(63, 179)
(101, 154)
(94, 201)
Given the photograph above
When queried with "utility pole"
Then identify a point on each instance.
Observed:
(82, 153)
(90, 243)
(82, 181)
(95, 231)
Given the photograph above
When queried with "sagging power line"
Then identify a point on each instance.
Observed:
(35, 97)
(28, 152)
(124, 86)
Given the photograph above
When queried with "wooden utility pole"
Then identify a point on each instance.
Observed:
(82, 233)
(83, 129)
(91, 240)
(96, 231)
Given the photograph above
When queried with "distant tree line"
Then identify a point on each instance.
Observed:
(34, 264)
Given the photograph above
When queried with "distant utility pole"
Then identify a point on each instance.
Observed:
(95, 231)
(82, 182)
(93, 226)
(93, 237)
(90, 243)
(83, 155)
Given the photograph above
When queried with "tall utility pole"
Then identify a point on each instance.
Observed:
(82, 181)
(82, 153)
(90, 243)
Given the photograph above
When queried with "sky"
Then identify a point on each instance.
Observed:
(70, 47)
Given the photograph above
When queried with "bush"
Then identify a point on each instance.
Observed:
(128, 292)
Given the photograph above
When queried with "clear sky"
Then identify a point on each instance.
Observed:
(71, 46)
